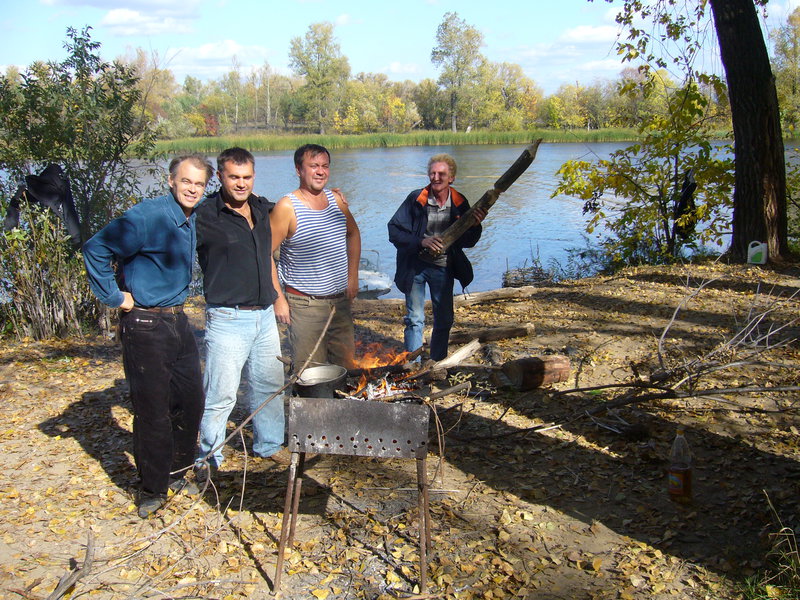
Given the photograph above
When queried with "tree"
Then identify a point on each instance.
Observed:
(317, 57)
(431, 103)
(650, 220)
(231, 86)
(83, 114)
(457, 51)
(786, 44)
(759, 199)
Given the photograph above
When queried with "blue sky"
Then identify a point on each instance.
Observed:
(555, 42)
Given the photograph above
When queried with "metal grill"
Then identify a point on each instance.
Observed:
(355, 428)
(358, 427)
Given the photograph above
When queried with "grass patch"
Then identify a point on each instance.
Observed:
(266, 143)
(782, 577)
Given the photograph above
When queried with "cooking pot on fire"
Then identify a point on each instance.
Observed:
(320, 381)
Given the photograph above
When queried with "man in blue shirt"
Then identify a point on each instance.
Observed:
(153, 247)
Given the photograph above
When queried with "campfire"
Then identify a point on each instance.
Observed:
(382, 373)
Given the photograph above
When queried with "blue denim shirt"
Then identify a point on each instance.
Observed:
(153, 244)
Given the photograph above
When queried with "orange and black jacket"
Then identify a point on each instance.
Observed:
(407, 230)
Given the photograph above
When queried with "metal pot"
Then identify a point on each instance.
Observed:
(321, 381)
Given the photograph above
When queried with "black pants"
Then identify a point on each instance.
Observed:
(162, 366)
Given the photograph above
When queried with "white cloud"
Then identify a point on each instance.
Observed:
(590, 34)
(210, 61)
(162, 6)
(123, 21)
(343, 19)
(609, 67)
(398, 68)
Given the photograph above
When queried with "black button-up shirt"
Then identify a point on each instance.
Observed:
(233, 257)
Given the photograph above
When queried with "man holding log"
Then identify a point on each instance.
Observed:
(423, 257)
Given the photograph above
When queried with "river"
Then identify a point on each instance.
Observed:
(523, 224)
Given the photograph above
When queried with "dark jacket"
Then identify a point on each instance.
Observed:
(407, 229)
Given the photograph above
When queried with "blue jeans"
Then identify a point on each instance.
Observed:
(440, 282)
(236, 339)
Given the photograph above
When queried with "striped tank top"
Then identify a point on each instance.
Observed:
(314, 259)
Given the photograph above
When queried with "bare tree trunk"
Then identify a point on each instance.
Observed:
(759, 198)
(453, 124)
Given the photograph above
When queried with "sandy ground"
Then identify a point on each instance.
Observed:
(533, 494)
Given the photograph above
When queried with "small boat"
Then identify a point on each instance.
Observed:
(371, 282)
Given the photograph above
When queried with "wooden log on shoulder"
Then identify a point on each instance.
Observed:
(533, 372)
(491, 334)
(467, 220)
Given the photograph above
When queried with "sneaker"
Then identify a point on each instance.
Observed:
(149, 503)
(182, 485)
(282, 457)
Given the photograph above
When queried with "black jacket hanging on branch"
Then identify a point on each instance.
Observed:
(684, 205)
(49, 189)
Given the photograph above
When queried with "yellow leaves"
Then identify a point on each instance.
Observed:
(406, 552)
(773, 592)
(392, 577)
(320, 594)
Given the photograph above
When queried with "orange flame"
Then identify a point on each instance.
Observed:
(375, 355)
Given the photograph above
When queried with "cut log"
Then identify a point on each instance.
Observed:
(459, 355)
(492, 334)
(492, 295)
(467, 220)
(534, 372)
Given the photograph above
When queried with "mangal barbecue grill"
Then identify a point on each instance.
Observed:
(354, 427)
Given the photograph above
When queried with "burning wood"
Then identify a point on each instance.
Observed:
(381, 389)
(375, 366)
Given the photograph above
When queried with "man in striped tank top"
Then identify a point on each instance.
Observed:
(320, 248)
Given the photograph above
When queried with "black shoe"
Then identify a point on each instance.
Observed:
(202, 472)
(182, 485)
(150, 503)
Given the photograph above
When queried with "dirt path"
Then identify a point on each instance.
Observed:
(574, 511)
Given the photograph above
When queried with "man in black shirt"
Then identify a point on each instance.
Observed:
(234, 249)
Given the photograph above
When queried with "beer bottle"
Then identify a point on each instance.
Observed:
(679, 483)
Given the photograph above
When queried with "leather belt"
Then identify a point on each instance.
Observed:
(291, 290)
(249, 307)
(174, 310)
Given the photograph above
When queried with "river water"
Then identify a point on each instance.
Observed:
(524, 223)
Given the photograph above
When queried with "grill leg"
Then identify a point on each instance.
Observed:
(424, 524)
(290, 505)
(298, 483)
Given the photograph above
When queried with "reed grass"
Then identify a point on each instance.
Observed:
(266, 143)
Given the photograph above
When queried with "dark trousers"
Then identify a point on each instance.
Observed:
(162, 366)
